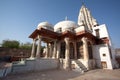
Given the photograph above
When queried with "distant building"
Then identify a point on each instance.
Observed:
(82, 45)
(117, 51)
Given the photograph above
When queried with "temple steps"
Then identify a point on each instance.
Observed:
(78, 66)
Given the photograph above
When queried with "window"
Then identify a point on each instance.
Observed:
(60, 30)
(104, 54)
(80, 50)
(97, 33)
(104, 65)
(90, 50)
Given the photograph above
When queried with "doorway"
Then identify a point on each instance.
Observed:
(104, 65)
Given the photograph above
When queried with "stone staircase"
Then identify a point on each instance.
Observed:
(78, 66)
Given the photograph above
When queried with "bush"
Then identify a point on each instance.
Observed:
(10, 43)
(26, 46)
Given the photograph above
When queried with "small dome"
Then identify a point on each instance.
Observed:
(45, 25)
(65, 25)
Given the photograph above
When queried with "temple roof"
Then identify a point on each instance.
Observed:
(65, 25)
(45, 25)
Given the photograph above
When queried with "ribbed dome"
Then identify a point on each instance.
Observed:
(45, 25)
(65, 25)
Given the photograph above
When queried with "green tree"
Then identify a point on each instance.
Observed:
(10, 43)
(26, 45)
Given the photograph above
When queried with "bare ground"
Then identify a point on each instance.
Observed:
(97, 74)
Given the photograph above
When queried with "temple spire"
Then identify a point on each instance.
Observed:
(85, 18)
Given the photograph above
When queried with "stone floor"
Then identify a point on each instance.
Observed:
(97, 74)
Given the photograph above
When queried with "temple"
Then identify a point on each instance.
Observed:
(84, 45)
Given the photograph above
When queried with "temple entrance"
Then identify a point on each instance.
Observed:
(72, 51)
(80, 50)
(62, 53)
(104, 65)
(90, 50)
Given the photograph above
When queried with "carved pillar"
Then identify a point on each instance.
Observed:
(67, 54)
(85, 49)
(33, 49)
(38, 54)
(50, 52)
(47, 51)
(75, 50)
(58, 49)
(54, 49)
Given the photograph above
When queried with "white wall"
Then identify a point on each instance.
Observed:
(102, 31)
(98, 52)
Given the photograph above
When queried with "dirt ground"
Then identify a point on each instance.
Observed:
(97, 74)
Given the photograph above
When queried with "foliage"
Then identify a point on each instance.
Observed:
(10, 43)
(26, 45)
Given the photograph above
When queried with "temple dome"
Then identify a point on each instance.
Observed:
(65, 25)
(45, 25)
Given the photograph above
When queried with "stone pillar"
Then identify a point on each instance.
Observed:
(58, 50)
(38, 54)
(33, 49)
(67, 54)
(86, 55)
(50, 51)
(75, 50)
(54, 49)
(47, 51)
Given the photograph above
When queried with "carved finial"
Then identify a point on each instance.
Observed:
(66, 18)
(83, 3)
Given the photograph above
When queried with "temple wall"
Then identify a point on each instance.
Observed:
(101, 54)
(35, 65)
(103, 32)
(78, 29)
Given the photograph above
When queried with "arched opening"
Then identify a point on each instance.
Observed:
(90, 50)
(80, 50)
(62, 53)
(71, 51)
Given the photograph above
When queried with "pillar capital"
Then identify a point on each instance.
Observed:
(84, 39)
(39, 37)
(34, 39)
(67, 39)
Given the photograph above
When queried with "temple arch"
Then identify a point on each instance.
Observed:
(62, 53)
(72, 56)
(90, 52)
(80, 50)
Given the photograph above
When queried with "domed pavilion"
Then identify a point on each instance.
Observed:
(83, 45)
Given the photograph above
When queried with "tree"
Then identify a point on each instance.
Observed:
(10, 43)
(26, 45)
